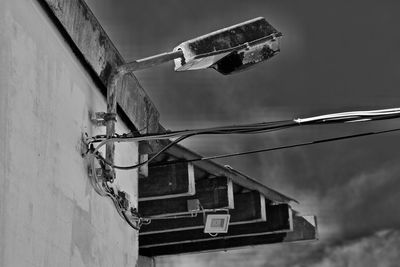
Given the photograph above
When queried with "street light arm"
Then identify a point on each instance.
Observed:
(149, 62)
(112, 91)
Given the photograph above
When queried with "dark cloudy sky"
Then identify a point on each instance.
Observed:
(335, 56)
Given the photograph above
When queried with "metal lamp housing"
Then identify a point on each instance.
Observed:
(231, 49)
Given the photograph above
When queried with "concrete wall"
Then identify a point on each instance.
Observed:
(49, 213)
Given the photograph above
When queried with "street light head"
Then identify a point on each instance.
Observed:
(231, 49)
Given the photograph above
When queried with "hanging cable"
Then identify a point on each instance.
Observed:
(235, 129)
(344, 117)
(144, 162)
(275, 148)
(118, 197)
(150, 159)
(352, 116)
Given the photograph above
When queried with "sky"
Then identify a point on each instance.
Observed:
(335, 56)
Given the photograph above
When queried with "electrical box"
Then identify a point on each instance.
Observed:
(217, 223)
(193, 204)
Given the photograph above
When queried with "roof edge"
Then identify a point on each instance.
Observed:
(95, 50)
(236, 176)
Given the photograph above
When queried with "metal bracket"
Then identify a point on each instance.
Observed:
(84, 144)
(96, 176)
(101, 118)
(109, 174)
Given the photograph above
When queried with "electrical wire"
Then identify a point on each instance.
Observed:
(128, 220)
(144, 162)
(150, 159)
(235, 129)
(274, 148)
(343, 117)
(352, 116)
(102, 188)
(93, 178)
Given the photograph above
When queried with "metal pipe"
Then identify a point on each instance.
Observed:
(149, 62)
(112, 91)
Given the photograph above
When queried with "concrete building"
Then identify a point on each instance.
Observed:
(49, 213)
(55, 63)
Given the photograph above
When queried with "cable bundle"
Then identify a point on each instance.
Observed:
(344, 117)
(352, 116)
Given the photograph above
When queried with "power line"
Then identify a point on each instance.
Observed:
(253, 128)
(276, 148)
(342, 117)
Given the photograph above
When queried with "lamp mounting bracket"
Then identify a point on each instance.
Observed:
(101, 118)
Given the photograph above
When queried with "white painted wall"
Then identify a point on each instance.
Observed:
(49, 213)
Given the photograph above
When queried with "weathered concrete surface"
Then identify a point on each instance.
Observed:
(101, 55)
(146, 261)
(49, 213)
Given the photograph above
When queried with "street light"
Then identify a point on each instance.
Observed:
(228, 50)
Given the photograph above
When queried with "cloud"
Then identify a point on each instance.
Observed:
(379, 249)
(357, 206)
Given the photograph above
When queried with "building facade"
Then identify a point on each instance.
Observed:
(49, 213)
(56, 61)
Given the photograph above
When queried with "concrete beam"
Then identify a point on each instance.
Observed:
(213, 193)
(169, 181)
(279, 219)
(304, 229)
(249, 207)
(91, 43)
